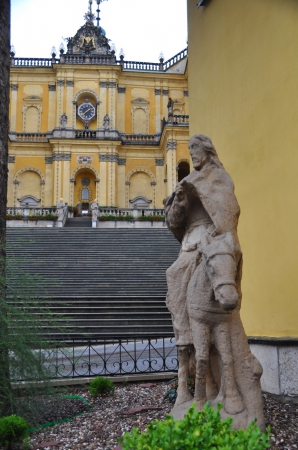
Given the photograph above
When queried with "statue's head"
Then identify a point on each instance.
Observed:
(200, 149)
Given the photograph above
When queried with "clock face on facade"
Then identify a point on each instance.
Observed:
(86, 111)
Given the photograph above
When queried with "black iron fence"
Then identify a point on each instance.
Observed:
(79, 357)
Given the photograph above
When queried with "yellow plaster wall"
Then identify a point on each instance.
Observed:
(243, 72)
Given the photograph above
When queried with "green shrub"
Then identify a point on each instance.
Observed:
(13, 429)
(199, 430)
(153, 218)
(101, 386)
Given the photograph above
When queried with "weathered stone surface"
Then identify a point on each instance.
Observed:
(94, 210)
(204, 293)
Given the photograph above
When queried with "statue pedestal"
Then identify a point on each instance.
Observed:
(240, 420)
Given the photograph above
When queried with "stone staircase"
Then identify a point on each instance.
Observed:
(108, 282)
(79, 222)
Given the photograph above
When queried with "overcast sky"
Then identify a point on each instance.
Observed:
(143, 28)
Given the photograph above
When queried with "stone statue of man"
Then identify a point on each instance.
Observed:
(63, 120)
(204, 292)
(106, 122)
(60, 207)
(94, 210)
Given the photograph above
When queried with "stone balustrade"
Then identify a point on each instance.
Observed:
(33, 62)
(136, 65)
(28, 137)
(134, 212)
(30, 210)
(176, 120)
(85, 134)
(87, 59)
(140, 139)
(162, 66)
(172, 61)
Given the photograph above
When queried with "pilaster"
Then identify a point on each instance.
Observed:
(69, 104)
(160, 185)
(157, 110)
(60, 100)
(13, 106)
(171, 166)
(165, 99)
(52, 107)
(49, 194)
(112, 103)
(121, 183)
(102, 200)
(66, 179)
(10, 185)
(61, 184)
(121, 109)
(103, 98)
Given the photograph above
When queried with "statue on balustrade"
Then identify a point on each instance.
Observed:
(60, 207)
(204, 293)
(94, 210)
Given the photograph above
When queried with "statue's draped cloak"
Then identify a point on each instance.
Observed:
(215, 188)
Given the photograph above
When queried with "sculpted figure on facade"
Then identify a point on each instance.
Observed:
(204, 293)
(63, 120)
(170, 107)
(106, 122)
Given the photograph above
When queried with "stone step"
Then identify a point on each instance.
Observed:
(106, 281)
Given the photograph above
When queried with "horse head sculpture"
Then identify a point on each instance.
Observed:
(221, 255)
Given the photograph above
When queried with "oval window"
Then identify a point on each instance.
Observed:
(85, 181)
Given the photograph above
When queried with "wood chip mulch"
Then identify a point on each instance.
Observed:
(111, 416)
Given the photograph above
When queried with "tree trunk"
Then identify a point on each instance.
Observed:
(5, 387)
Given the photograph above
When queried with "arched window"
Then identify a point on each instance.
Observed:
(85, 194)
(183, 170)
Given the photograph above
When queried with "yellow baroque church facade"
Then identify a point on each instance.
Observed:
(87, 126)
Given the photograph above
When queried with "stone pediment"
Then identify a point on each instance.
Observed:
(32, 98)
(140, 101)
